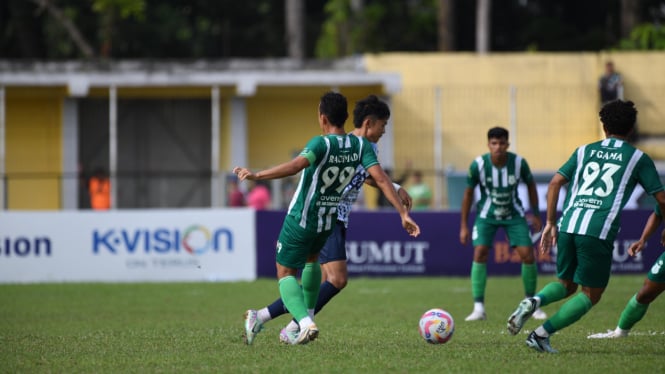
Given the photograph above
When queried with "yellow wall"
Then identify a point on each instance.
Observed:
(33, 146)
(282, 120)
(556, 96)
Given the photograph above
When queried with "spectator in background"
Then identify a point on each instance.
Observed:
(259, 196)
(236, 196)
(610, 84)
(611, 88)
(420, 192)
(99, 188)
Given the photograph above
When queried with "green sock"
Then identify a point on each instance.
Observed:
(311, 282)
(553, 291)
(529, 278)
(632, 313)
(292, 296)
(478, 281)
(570, 312)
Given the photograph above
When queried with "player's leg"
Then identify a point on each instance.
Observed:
(288, 287)
(482, 237)
(311, 282)
(295, 248)
(566, 264)
(637, 307)
(520, 239)
(311, 274)
(593, 273)
(290, 257)
(478, 282)
(333, 264)
(336, 279)
(268, 313)
(553, 291)
(334, 275)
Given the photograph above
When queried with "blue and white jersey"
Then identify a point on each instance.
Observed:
(351, 192)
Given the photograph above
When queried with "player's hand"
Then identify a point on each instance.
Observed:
(244, 173)
(636, 247)
(662, 238)
(536, 223)
(548, 238)
(464, 235)
(406, 198)
(410, 226)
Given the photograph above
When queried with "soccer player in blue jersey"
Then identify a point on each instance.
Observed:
(330, 163)
(498, 173)
(654, 283)
(602, 176)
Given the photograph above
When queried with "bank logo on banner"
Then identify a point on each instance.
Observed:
(388, 257)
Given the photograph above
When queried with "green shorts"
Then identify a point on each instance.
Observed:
(296, 244)
(584, 259)
(657, 271)
(517, 230)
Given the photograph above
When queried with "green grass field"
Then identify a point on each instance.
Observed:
(371, 327)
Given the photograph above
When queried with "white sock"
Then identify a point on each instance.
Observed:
(537, 301)
(540, 331)
(311, 313)
(292, 326)
(305, 323)
(263, 315)
(479, 307)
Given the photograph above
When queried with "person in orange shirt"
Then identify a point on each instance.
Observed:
(99, 188)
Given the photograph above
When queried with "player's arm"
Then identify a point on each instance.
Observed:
(383, 182)
(407, 201)
(280, 171)
(660, 199)
(467, 200)
(533, 201)
(548, 240)
(649, 228)
(472, 180)
(532, 190)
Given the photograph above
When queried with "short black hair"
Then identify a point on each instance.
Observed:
(369, 106)
(618, 117)
(497, 133)
(333, 105)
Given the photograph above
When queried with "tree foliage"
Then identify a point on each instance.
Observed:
(645, 36)
(70, 29)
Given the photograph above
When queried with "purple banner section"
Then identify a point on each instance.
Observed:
(378, 246)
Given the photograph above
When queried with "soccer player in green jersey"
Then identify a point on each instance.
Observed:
(370, 118)
(654, 283)
(328, 163)
(498, 173)
(602, 177)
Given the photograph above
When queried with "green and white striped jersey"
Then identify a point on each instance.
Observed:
(602, 177)
(333, 160)
(498, 186)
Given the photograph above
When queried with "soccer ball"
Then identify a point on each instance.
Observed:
(436, 326)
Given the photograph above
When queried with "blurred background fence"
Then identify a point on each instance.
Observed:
(164, 145)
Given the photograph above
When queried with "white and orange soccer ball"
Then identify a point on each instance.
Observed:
(436, 326)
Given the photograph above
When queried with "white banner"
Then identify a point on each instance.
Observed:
(128, 246)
